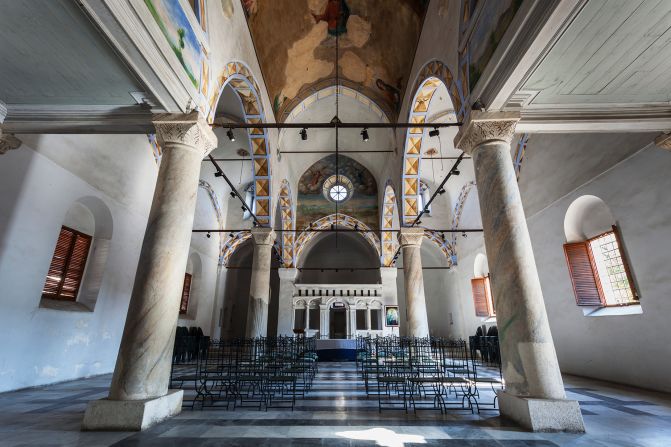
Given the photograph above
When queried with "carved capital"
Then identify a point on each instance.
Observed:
(663, 141)
(263, 236)
(8, 142)
(483, 127)
(189, 130)
(411, 236)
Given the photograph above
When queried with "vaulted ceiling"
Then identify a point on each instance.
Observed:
(296, 44)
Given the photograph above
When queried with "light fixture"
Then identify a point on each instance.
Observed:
(463, 234)
(442, 236)
(364, 134)
(231, 235)
(208, 235)
(456, 172)
(232, 194)
(219, 174)
(229, 134)
(441, 191)
(304, 134)
(356, 227)
(434, 133)
(419, 222)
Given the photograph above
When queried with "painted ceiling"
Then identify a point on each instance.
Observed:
(295, 42)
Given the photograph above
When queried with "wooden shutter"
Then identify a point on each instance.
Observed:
(186, 290)
(482, 297)
(581, 267)
(67, 265)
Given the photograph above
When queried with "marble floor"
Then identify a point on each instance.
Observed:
(336, 412)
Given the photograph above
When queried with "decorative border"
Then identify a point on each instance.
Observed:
(232, 243)
(288, 224)
(240, 77)
(389, 242)
(445, 246)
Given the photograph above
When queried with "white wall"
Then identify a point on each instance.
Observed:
(36, 190)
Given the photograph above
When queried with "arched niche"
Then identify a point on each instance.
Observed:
(586, 217)
(480, 266)
(194, 267)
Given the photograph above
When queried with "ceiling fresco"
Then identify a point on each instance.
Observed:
(295, 41)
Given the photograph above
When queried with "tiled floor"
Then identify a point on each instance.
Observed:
(336, 413)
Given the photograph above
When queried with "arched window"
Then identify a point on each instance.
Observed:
(424, 197)
(596, 260)
(249, 201)
(482, 291)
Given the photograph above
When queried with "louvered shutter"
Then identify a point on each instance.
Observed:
(186, 290)
(581, 267)
(482, 297)
(59, 262)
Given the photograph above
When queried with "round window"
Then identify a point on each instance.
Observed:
(338, 193)
(337, 189)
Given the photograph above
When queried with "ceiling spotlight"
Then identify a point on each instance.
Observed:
(456, 172)
(304, 134)
(231, 234)
(442, 236)
(218, 174)
(434, 133)
(356, 227)
(208, 235)
(463, 234)
(229, 134)
(364, 134)
(419, 222)
(255, 223)
(232, 194)
(441, 191)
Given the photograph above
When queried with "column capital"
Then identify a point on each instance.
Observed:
(388, 273)
(188, 129)
(263, 236)
(8, 142)
(287, 274)
(411, 236)
(486, 126)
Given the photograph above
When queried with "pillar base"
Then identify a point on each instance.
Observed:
(546, 415)
(131, 415)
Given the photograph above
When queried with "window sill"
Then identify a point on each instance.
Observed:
(627, 309)
(68, 306)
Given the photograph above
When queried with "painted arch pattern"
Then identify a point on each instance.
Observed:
(232, 243)
(288, 224)
(343, 220)
(220, 216)
(429, 79)
(240, 78)
(445, 246)
(389, 242)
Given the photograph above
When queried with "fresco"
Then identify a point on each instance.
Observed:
(295, 40)
(488, 26)
(313, 205)
(179, 33)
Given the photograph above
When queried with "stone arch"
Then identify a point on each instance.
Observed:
(326, 222)
(291, 113)
(233, 242)
(457, 213)
(288, 224)
(428, 80)
(443, 244)
(240, 78)
(220, 216)
(389, 222)
(480, 266)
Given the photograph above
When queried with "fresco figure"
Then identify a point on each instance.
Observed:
(335, 15)
(393, 94)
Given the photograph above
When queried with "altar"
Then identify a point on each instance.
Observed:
(336, 350)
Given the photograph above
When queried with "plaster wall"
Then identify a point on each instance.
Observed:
(39, 184)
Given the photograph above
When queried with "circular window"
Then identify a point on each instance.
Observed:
(337, 188)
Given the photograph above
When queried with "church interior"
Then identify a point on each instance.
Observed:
(335, 222)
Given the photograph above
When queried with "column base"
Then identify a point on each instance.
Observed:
(131, 415)
(546, 415)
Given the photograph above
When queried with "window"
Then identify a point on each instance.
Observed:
(249, 201)
(424, 197)
(186, 291)
(337, 189)
(482, 297)
(314, 318)
(599, 271)
(361, 320)
(67, 265)
(375, 320)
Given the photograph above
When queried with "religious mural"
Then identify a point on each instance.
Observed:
(313, 203)
(296, 41)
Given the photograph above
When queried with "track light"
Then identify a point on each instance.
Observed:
(364, 134)
(231, 234)
(356, 227)
(441, 191)
(434, 133)
(218, 174)
(304, 134)
(232, 194)
(456, 172)
(208, 235)
(419, 222)
(463, 234)
(255, 223)
(442, 236)
(229, 134)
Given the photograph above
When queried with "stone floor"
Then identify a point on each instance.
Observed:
(336, 413)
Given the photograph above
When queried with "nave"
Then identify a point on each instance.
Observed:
(336, 412)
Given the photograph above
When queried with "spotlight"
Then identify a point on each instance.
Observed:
(229, 134)
(243, 208)
(463, 234)
(231, 234)
(364, 134)
(434, 133)
(232, 194)
(255, 223)
(456, 172)
(356, 227)
(441, 191)
(442, 236)
(332, 227)
(208, 235)
(304, 134)
(218, 174)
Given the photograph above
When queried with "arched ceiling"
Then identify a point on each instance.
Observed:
(295, 43)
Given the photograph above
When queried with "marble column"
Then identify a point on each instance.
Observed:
(415, 301)
(324, 320)
(259, 288)
(139, 394)
(534, 392)
(368, 325)
(351, 316)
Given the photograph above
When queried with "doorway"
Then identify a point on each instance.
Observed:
(338, 321)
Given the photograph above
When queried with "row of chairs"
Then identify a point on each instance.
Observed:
(259, 372)
(425, 373)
